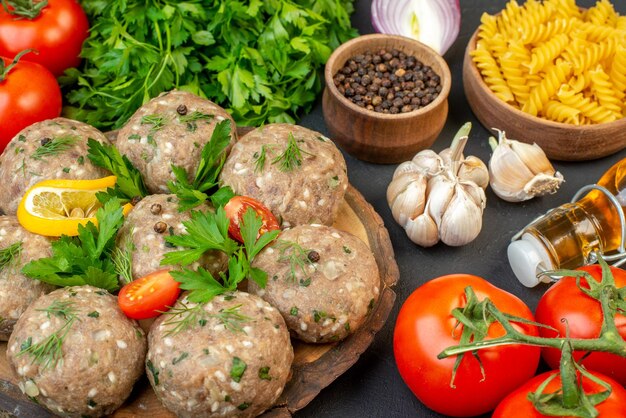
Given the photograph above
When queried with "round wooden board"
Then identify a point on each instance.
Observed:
(314, 366)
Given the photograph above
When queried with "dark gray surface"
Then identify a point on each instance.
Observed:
(373, 386)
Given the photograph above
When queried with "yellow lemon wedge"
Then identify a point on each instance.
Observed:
(56, 207)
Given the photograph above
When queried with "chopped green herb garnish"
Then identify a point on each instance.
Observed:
(227, 398)
(122, 258)
(305, 282)
(21, 138)
(294, 311)
(191, 119)
(291, 157)
(318, 315)
(80, 160)
(347, 250)
(264, 373)
(180, 358)
(66, 169)
(134, 137)
(243, 406)
(26, 344)
(54, 147)
(370, 306)
(153, 370)
(157, 122)
(260, 157)
(202, 322)
(10, 255)
(237, 369)
(296, 256)
(347, 326)
(333, 182)
(94, 314)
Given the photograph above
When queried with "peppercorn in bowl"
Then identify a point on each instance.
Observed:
(386, 97)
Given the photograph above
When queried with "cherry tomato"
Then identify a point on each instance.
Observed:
(238, 205)
(148, 296)
(57, 33)
(29, 93)
(564, 306)
(425, 327)
(517, 405)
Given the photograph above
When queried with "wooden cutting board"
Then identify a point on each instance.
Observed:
(315, 366)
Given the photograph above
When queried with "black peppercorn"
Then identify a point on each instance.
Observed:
(313, 256)
(160, 227)
(155, 209)
(181, 110)
(45, 141)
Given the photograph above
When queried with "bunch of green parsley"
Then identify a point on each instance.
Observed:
(261, 59)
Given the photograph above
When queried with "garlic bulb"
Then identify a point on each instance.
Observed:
(520, 171)
(440, 196)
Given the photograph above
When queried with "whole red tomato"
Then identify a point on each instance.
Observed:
(425, 327)
(564, 306)
(517, 405)
(57, 33)
(28, 93)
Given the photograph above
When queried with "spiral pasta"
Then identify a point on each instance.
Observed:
(554, 60)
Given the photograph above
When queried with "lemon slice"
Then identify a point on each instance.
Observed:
(56, 207)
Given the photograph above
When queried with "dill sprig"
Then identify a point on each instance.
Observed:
(10, 255)
(49, 351)
(291, 157)
(54, 147)
(193, 117)
(122, 258)
(296, 255)
(185, 317)
(260, 157)
(156, 121)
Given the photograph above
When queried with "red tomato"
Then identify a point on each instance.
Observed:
(28, 94)
(425, 327)
(564, 307)
(237, 207)
(57, 33)
(148, 296)
(517, 405)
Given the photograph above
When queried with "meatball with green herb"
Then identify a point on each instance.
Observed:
(228, 357)
(299, 174)
(324, 281)
(74, 352)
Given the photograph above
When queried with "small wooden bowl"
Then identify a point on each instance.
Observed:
(378, 137)
(560, 141)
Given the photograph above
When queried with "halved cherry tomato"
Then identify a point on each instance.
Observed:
(237, 206)
(148, 296)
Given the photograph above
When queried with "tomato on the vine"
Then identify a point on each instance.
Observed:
(28, 93)
(425, 327)
(517, 405)
(236, 208)
(56, 29)
(148, 296)
(566, 308)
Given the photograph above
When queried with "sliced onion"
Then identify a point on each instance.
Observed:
(435, 23)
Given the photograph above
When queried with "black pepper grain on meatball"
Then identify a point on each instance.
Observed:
(297, 173)
(233, 359)
(95, 357)
(17, 292)
(323, 281)
(153, 219)
(52, 149)
(170, 129)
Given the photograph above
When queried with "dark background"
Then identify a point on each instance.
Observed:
(373, 387)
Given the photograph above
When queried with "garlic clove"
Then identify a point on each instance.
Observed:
(475, 170)
(476, 193)
(440, 191)
(423, 230)
(533, 156)
(462, 221)
(410, 202)
(406, 167)
(400, 183)
(520, 171)
(429, 162)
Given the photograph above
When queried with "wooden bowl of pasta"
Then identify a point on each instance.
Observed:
(517, 87)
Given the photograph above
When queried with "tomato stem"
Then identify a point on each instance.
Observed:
(24, 9)
(4, 70)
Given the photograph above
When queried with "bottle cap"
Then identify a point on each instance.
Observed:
(527, 258)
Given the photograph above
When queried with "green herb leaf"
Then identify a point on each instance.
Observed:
(129, 182)
(54, 147)
(153, 371)
(85, 259)
(291, 157)
(10, 255)
(237, 369)
(264, 373)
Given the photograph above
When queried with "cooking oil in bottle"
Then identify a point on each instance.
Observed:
(568, 236)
